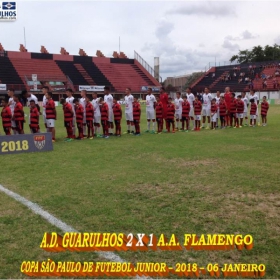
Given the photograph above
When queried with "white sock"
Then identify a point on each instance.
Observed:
(128, 127)
(177, 124)
(148, 125)
(154, 123)
(193, 123)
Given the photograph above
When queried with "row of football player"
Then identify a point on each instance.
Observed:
(89, 113)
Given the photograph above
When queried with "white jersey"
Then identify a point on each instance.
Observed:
(109, 100)
(217, 100)
(178, 105)
(32, 97)
(255, 97)
(70, 101)
(191, 98)
(207, 97)
(83, 102)
(150, 100)
(246, 103)
(217, 103)
(128, 103)
(44, 104)
(12, 104)
(96, 107)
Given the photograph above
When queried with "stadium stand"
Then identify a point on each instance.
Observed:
(72, 71)
(69, 69)
(123, 72)
(8, 73)
(92, 71)
(241, 77)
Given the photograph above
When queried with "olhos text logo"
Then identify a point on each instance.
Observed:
(8, 11)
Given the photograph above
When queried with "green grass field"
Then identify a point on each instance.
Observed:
(223, 181)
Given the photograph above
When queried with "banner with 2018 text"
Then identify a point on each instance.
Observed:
(25, 143)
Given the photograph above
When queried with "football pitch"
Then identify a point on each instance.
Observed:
(206, 182)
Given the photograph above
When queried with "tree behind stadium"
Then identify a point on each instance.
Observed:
(257, 54)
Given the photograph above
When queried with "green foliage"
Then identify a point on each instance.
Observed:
(171, 88)
(193, 77)
(257, 54)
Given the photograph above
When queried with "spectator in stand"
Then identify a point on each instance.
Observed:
(277, 73)
(251, 84)
(257, 76)
(234, 74)
(275, 83)
(264, 84)
(213, 75)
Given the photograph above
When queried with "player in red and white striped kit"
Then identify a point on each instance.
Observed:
(253, 112)
(159, 115)
(264, 109)
(6, 115)
(239, 111)
(186, 107)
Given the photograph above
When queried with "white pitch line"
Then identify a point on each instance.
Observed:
(55, 221)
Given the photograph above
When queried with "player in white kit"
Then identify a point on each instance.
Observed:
(70, 100)
(150, 110)
(191, 98)
(45, 90)
(12, 105)
(246, 105)
(256, 99)
(178, 109)
(128, 100)
(217, 103)
(206, 107)
(97, 114)
(83, 102)
(108, 98)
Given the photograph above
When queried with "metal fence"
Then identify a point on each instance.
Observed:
(146, 65)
